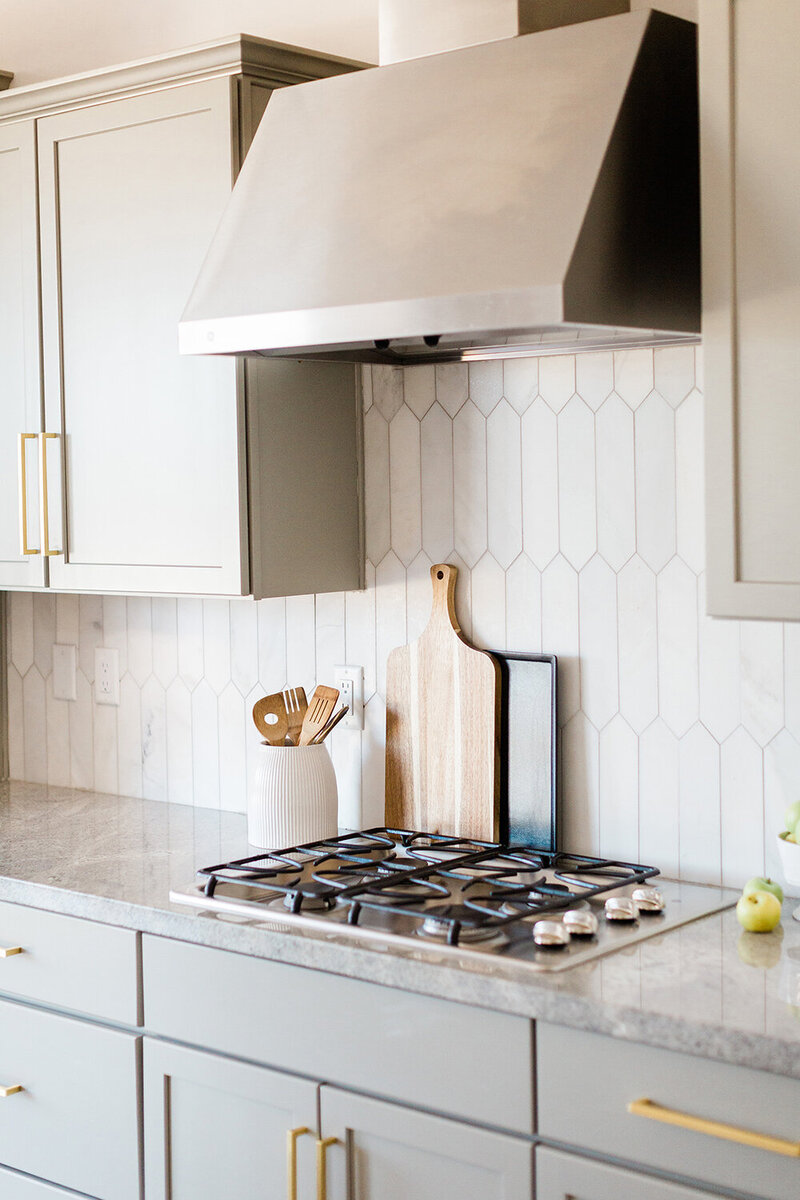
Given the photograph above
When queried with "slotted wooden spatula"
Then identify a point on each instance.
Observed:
(320, 708)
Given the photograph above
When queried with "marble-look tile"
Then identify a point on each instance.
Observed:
(689, 472)
(674, 373)
(781, 773)
(654, 433)
(366, 387)
(486, 384)
(390, 613)
(556, 380)
(20, 606)
(330, 635)
(489, 604)
(742, 790)
(677, 646)
(577, 511)
(165, 639)
(616, 497)
(700, 819)
(791, 676)
(469, 481)
(16, 725)
(580, 786)
(232, 754)
(301, 664)
(504, 484)
(217, 643)
(540, 484)
(154, 741)
(619, 791)
(560, 632)
(57, 717)
(244, 643)
(405, 488)
(91, 633)
(437, 483)
(659, 807)
(419, 389)
(360, 631)
(34, 718)
(463, 600)
(373, 771)
(387, 389)
(633, 375)
(719, 673)
(419, 595)
(81, 735)
(190, 640)
(105, 746)
(44, 632)
(523, 607)
(140, 637)
(115, 627)
(594, 377)
(452, 386)
(761, 664)
(205, 746)
(180, 772)
(598, 642)
(271, 618)
(521, 382)
(129, 738)
(376, 485)
(638, 644)
(68, 619)
(345, 750)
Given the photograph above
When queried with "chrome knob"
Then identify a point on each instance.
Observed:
(550, 933)
(621, 908)
(580, 922)
(648, 899)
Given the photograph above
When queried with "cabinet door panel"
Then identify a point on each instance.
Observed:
(131, 192)
(567, 1177)
(393, 1153)
(20, 387)
(215, 1128)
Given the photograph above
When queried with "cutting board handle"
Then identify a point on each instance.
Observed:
(443, 578)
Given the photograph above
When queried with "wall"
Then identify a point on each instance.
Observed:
(569, 493)
(44, 39)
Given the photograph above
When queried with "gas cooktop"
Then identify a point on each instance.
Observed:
(435, 894)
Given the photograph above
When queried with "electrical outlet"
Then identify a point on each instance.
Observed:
(106, 676)
(350, 682)
(65, 680)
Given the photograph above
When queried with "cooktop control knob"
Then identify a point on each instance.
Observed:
(621, 908)
(551, 933)
(580, 922)
(648, 899)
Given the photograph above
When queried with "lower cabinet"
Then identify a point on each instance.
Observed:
(567, 1177)
(23, 1187)
(218, 1127)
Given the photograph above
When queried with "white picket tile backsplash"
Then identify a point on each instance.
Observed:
(568, 491)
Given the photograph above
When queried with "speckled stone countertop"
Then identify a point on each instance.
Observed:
(706, 988)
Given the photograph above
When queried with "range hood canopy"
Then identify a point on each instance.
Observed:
(517, 196)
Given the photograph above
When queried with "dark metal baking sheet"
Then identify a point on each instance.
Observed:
(528, 750)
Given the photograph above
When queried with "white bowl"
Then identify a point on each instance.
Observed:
(790, 860)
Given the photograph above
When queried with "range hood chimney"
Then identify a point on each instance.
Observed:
(517, 177)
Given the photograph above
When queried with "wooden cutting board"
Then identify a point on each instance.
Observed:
(442, 727)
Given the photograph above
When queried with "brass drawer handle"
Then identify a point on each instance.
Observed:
(7, 951)
(731, 1133)
(43, 486)
(11, 1090)
(322, 1166)
(24, 548)
(291, 1159)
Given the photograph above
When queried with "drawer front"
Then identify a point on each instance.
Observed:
(443, 1056)
(69, 963)
(22, 1187)
(75, 1121)
(566, 1177)
(612, 1074)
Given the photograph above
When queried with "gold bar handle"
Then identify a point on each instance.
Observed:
(11, 1090)
(322, 1166)
(730, 1133)
(48, 553)
(291, 1159)
(24, 548)
(7, 951)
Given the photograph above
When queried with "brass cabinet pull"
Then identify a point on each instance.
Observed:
(43, 485)
(322, 1166)
(731, 1133)
(7, 951)
(11, 1090)
(24, 548)
(291, 1159)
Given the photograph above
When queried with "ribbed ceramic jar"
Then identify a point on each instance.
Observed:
(294, 798)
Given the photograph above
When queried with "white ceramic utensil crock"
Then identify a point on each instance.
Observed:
(293, 798)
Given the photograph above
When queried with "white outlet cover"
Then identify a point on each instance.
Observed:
(106, 675)
(350, 682)
(65, 680)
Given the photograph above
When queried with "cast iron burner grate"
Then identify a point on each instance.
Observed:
(449, 887)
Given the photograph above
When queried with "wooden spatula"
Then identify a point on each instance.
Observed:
(319, 710)
(272, 706)
(296, 708)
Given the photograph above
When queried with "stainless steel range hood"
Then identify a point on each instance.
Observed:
(513, 197)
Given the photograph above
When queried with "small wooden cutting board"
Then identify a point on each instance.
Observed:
(442, 727)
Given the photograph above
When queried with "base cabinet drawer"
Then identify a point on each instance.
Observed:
(721, 1125)
(74, 1119)
(562, 1176)
(69, 963)
(14, 1186)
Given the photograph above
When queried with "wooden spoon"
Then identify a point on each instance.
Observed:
(272, 706)
(319, 709)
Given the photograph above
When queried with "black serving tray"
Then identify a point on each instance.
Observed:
(528, 750)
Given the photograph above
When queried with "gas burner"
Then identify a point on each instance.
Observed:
(310, 897)
(440, 920)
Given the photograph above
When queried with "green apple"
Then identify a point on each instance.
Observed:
(792, 815)
(759, 912)
(759, 884)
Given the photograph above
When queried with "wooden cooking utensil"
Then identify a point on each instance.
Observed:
(296, 708)
(442, 727)
(275, 706)
(330, 725)
(319, 710)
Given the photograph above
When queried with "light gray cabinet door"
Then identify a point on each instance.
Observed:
(218, 1128)
(20, 385)
(567, 1177)
(151, 442)
(385, 1152)
(750, 123)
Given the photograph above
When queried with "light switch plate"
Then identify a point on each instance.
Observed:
(65, 680)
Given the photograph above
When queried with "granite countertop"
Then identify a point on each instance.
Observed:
(706, 988)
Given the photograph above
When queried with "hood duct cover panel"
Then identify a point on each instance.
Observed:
(506, 192)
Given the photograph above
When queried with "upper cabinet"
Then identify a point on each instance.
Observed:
(146, 471)
(750, 121)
